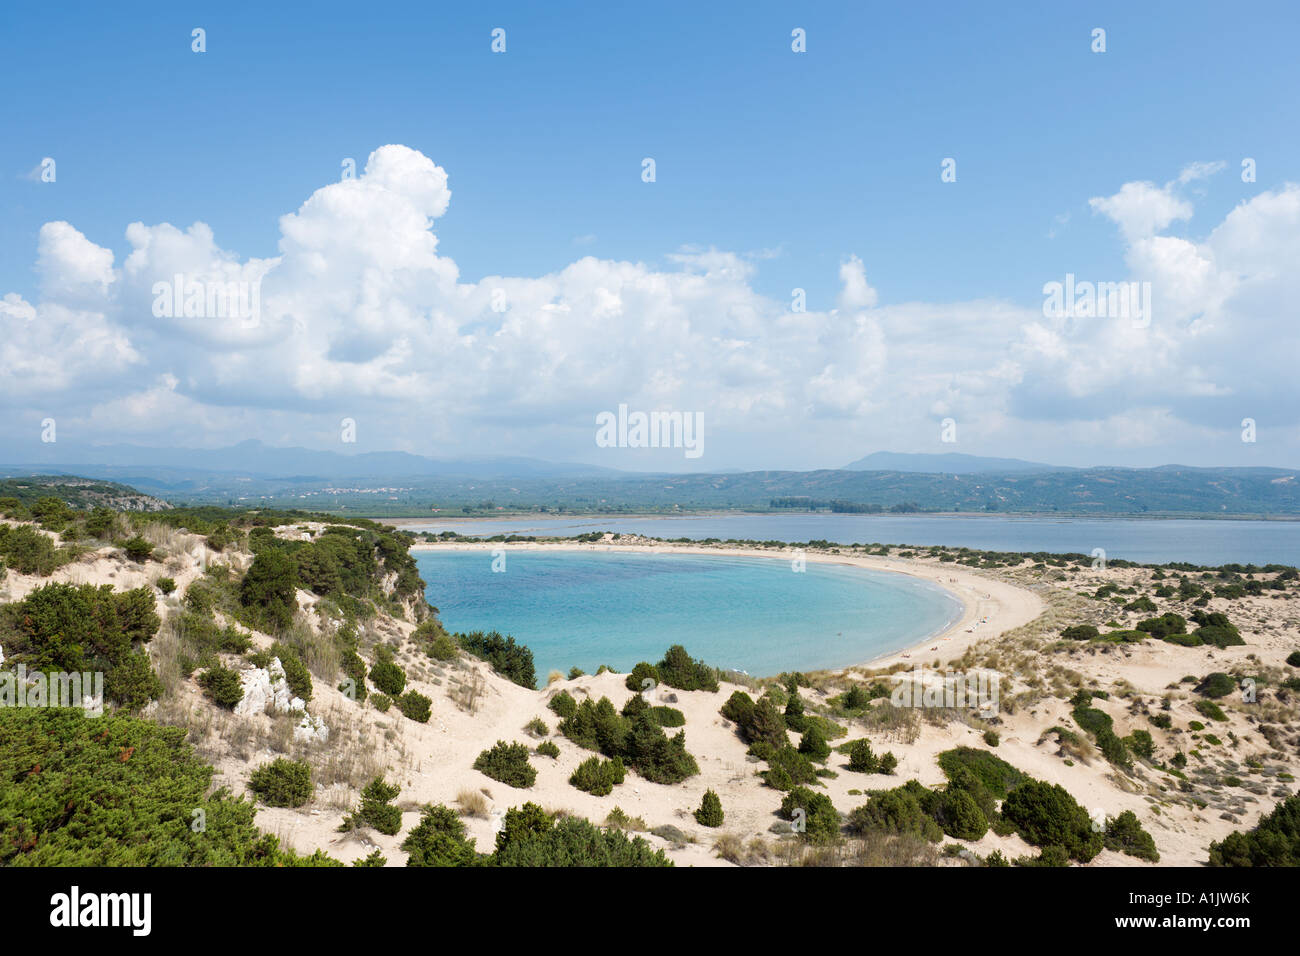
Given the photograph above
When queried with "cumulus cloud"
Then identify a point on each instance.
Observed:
(362, 315)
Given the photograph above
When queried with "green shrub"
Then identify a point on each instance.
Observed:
(598, 777)
(991, 738)
(813, 815)
(1275, 841)
(138, 549)
(994, 772)
(1049, 856)
(296, 674)
(415, 706)
(513, 661)
(563, 705)
(376, 809)
(896, 812)
(548, 749)
(443, 648)
(1216, 685)
(1081, 632)
(28, 551)
(537, 727)
(637, 739)
(508, 764)
(381, 701)
(439, 840)
(282, 783)
(530, 837)
(794, 710)
(643, 672)
(679, 670)
(1164, 626)
(789, 768)
(83, 628)
(861, 757)
(166, 585)
(756, 723)
(1124, 834)
(1293, 658)
(386, 675)
(116, 790)
(666, 716)
(813, 745)
(1208, 708)
(222, 686)
(269, 590)
(710, 812)
(958, 814)
(1047, 815)
(1140, 743)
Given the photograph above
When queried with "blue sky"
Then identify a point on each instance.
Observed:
(791, 162)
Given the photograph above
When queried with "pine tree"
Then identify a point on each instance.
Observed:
(710, 812)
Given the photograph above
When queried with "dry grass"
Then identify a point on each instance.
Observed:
(472, 804)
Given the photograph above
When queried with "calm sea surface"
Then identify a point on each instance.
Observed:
(754, 614)
(1147, 540)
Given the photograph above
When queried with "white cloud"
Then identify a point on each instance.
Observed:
(362, 316)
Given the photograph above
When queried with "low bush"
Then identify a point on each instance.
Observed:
(415, 706)
(1124, 834)
(1046, 815)
(222, 686)
(1208, 708)
(710, 812)
(508, 764)
(513, 661)
(563, 705)
(376, 809)
(439, 840)
(678, 669)
(282, 783)
(1275, 841)
(598, 777)
(386, 675)
(812, 814)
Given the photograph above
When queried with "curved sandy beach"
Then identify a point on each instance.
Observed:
(989, 606)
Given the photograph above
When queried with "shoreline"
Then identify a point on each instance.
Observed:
(406, 521)
(989, 605)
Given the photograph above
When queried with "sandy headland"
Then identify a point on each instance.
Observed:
(1202, 778)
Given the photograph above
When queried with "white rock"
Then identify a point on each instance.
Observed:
(266, 688)
(311, 730)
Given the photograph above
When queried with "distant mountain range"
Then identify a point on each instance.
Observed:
(393, 483)
(952, 463)
(254, 459)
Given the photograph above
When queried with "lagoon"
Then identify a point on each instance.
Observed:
(579, 609)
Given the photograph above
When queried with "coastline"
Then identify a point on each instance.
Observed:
(990, 606)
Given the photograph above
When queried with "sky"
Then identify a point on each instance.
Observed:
(498, 272)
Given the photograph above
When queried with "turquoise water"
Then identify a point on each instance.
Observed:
(753, 614)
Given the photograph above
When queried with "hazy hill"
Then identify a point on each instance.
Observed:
(80, 493)
(256, 460)
(951, 463)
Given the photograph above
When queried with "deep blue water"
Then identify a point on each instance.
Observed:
(1147, 540)
(754, 614)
